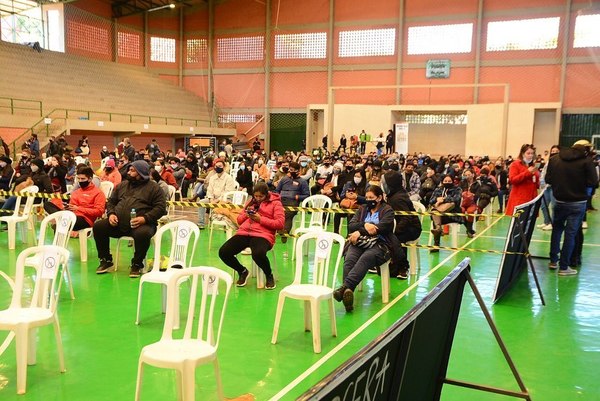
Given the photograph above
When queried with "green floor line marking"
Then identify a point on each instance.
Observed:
(366, 324)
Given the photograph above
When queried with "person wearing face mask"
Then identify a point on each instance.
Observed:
(351, 197)
(110, 173)
(244, 178)
(306, 171)
(6, 172)
(501, 175)
(429, 182)
(57, 173)
(325, 169)
(470, 196)
(87, 201)
(259, 221)
(445, 199)
(166, 174)
(177, 171)
(334, 183)
(293, 190)
(283, 168)
(369, 243)
(23, 169)
(548, 197)
(143, 196)
(261, 168)
(218, 184)
(524, 179)
(408, 227)
(411, 181)
(191, 173)
(37, 177)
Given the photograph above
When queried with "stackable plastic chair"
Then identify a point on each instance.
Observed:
(414, 258)
(182, 233)
(23, 217)
(29, 309)
(206, 310)
(318, 220)
(384, 272)
(64, 221)
(314, 288)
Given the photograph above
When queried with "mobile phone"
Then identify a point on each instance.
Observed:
(251, 211)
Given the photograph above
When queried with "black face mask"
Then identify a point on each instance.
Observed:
(285, 169)
(371, 204)
(448, 185)
(348, 168)
(294, 174)
(84, 184)
(218, 170)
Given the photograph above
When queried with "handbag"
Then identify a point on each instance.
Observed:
(366, 241)
(348, 203)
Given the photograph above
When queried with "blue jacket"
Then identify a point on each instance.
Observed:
(289, 187)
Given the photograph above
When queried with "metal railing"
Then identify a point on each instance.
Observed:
(41, 126)
(14, 104)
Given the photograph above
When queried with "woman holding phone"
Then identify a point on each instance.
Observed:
(260, 219)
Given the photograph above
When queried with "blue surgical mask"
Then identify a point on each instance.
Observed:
(242, 167)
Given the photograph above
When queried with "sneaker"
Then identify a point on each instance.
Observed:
(567, 272)
(243, 279)
(338, 293)
(541, 225)
(547, 227)
(201, 226)
(135, 272)
(584, 224)
(373, 270)
(270, 284)
(105, 265)
(553, 265)
(348, 299)
(246, 251)
(470, 234)
(402, 275)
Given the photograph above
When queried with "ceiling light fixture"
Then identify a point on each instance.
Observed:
(171, 6)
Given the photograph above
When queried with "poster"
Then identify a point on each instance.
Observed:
(401, 138)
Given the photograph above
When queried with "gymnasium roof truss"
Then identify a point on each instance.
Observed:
(124, 8)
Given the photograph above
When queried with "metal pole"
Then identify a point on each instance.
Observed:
(565, 49)
(210, 51)
(329, 70)
(478, 51)
(267, 116)
(399, 49)
(181, 42)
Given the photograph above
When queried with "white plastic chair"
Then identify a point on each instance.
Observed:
(64, 221)
(313, 288)
(107, 188)
(384, 272)
(29, 310)
(318, 220)
(255, 177)
(19, 216)
(199, 344)
(171, 207)
(453, 232)
(181, 232)
(235, 197)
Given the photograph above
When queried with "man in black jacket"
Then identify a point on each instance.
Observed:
(572, 174)
(133, 210)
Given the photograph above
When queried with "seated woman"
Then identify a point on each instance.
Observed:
(260, 219)
(445, 199)
(352, 196)
(408, 227)
(369, 243)
(470, 196)
(6, 172)
(244, 178)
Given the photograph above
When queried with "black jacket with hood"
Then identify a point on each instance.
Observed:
(398, 199)
(571, 173)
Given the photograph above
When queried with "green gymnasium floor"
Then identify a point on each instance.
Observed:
(556, 348)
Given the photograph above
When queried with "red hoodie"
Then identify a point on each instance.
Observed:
(91, 202)
(272, 218)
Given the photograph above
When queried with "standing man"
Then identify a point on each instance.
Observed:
(389, 142)
(133, 209)
(362, 138)
(570, 173)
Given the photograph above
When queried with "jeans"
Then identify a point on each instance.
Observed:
(501, 196)
(568, 217)
(549, 198)
(358, 261)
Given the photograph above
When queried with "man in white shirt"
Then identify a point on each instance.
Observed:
(219, 184)
(325, 169)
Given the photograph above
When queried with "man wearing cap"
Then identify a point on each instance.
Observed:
(142, 196)
(570, 173)
(6, 172)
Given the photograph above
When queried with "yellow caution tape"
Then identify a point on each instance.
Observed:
(35, 195)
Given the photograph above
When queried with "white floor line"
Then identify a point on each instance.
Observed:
(358, 331)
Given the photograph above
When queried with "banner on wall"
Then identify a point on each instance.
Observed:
(401, 137)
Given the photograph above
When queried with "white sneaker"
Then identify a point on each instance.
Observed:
(547, 227)
(567, 272)
(541, 225)
(246, 251)
(584, 224)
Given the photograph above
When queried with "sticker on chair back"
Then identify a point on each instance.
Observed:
(238, 198)
(182, 236)
(213, 285)
(49, 265)
(62, 226)
(324, 241)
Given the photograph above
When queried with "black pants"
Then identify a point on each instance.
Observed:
(337, 221)
(400, 254)
(142, 235)
(80, 223)
(289, 215)
(237, 244)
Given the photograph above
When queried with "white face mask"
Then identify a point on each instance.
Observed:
(173, 166)
(2, 164)
(260, 162)
(158, 168)
(34, 168)
(357, 180)
(528, 161)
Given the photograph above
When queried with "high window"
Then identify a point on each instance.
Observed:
(241, 48)
(587, 31)
(440, 39)
(162, 49)
(525, 34)
(301, 46)
(367, 42)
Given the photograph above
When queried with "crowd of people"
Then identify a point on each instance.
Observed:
(374, 184)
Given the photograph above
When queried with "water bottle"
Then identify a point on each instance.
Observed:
(132, 215)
